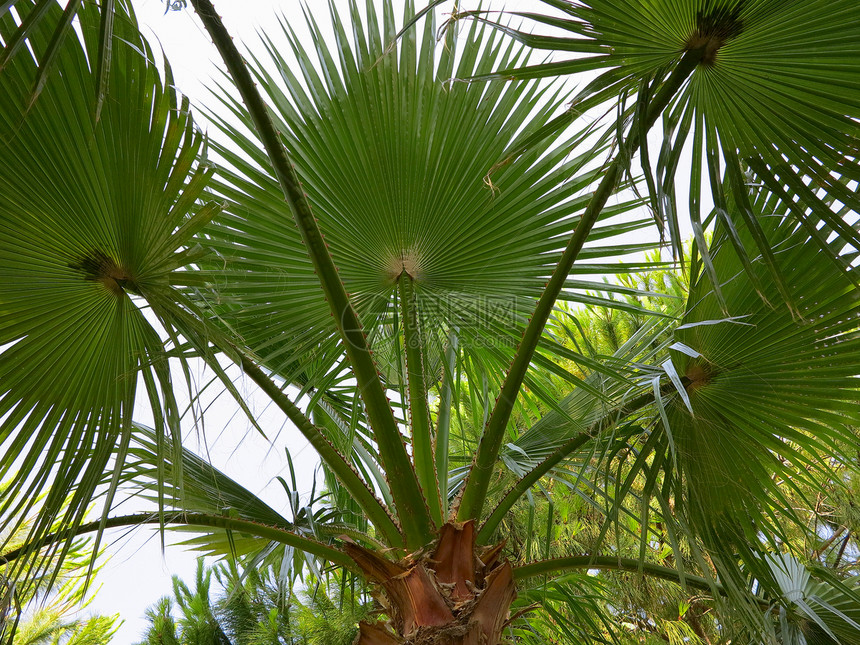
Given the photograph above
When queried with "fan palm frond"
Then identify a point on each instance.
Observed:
(94, 216)
(392, 159)
(762, 401)
(775, 89)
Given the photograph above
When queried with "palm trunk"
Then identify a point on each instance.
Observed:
(452, 595)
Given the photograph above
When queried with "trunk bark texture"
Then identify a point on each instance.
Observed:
(450, 594)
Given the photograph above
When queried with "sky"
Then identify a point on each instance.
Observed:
(136, 572)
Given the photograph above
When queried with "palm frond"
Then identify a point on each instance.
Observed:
(765, 399)
(776, 88)
(94, 215)
(37, 18)
(817, 607)
(393, 169)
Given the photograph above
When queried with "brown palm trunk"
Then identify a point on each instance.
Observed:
(456, 596)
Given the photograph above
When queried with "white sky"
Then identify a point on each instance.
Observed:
(137, 574)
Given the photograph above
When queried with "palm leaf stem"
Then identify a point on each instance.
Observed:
(559, 454)
(475, 491)
(332, 458)
(443, 418)
(419, 412)
(826, 544)
(609, 562)
(282, 536)
(408, 498)
(340, 531)
(841, 551)
(615, 563)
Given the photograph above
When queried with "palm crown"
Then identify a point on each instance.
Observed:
(443, 222)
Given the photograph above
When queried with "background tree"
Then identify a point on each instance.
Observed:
(52, 610)
(254, 607)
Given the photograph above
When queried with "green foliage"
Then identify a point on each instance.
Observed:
(322, 621)
(162, 629)
(598, 329)
(253, 606)
(51, 610)
(711, 445)
(196, 623)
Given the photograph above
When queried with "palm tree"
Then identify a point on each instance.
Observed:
(198, 624)
(390, 247)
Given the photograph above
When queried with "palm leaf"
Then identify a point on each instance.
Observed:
(36, 18)
(776, 87)
(769, 397)
(393, 170)
(768, 73)
(818, 609)
(94, 215)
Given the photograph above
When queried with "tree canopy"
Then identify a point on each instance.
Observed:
(391, 238)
